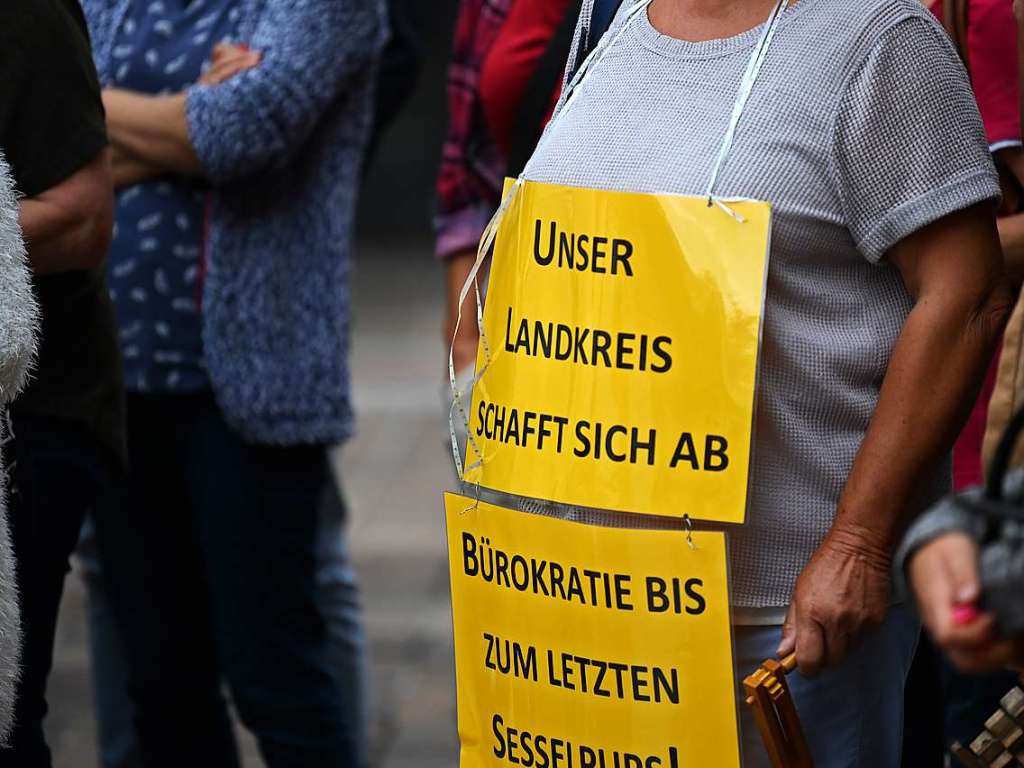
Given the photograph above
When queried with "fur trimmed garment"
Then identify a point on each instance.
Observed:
(19, 321)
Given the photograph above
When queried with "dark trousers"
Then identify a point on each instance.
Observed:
(924, 742)
(210, 564)
(943, 706)
(57, 473)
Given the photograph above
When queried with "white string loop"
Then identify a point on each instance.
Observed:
(746, 87)
(590, 63)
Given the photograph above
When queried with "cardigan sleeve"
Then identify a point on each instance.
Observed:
(312, 50)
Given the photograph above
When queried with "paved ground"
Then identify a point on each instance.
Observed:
(394, 473)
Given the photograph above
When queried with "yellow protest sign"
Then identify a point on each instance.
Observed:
(622, 335)
(580, 646)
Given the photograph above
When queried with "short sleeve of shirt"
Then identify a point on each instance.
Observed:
(909, 146)
(51, 117)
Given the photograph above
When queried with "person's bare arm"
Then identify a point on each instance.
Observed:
(68, 226)
(953, 270)
(1011, 237)
(151, 130)
(150, 133)
(128, 170)
(464, 346)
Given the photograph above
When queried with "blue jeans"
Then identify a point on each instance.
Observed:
(852, 715)
(224, 562)
(339, 597)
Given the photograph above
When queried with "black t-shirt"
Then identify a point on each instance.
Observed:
(52, 124)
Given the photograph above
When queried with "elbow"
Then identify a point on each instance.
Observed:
(95, 229)
(993, 309)
(100, 214)
(76, 232)
(100, 231)
(95, 204)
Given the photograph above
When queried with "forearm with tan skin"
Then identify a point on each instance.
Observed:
(953, 270)
(149, 134)
(943, 572)
(150, 131)
(68, 227)
(464, 346)
(128, 170)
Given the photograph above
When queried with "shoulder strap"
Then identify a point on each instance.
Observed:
(600, 19)
(601, 16)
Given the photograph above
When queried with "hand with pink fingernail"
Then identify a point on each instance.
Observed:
(965, 614)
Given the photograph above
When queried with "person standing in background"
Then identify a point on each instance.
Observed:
(231, 269)
(19, 317)
(942, 704)
(885, 281)
(67, 438)
(985, 35)
(504, 78)
(401, 62)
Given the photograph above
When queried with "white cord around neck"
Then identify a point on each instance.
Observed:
(573, 87)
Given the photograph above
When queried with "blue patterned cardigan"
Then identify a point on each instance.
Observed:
(282, 146)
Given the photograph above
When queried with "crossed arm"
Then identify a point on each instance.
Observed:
(252, 111)
(944, 571)
(68, 226)
(150, 134)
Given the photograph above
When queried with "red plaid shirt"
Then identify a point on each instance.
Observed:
(472, 168)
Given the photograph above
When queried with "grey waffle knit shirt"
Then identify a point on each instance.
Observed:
(860, 130)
